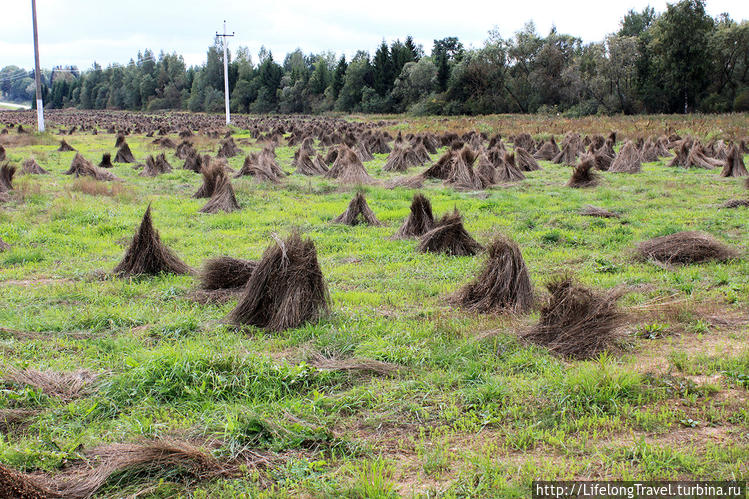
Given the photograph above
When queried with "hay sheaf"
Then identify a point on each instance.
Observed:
(306, 164)
(357, 212)
(577, 322)
(147, 255)
(685, 247)
(286, 290)
(450, 237)
(503, 285)
(735, 203)
(420, 219)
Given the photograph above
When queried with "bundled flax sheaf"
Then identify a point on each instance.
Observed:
(577, 322)
(357, 212)
(450, 237)
(211, 171)
(6, 178)
(148, 255)
(420, 219)
(628, 159)
(461, 174)
(64, 146)
(228, 149)
(548, 150)
(222, 278)
(124, 155)
(583, 174)
(503, 285)
(734, 163)
(286, 290)
(81, 167)
(222, 197)
(348, 169)
(106, 161)
(685, 247)
(31, 167)
(225, 272)
(156, 167)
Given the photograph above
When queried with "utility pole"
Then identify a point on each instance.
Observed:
(226, 72)
(37, 74)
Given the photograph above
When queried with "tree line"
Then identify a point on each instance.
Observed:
(680, 60)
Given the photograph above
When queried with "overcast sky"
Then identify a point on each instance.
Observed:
(82, 31)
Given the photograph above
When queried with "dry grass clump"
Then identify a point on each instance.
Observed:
(286, 290)
(685, 247)
(735, 203)
(364, 367)
(63, 385)
(176, 458)
(93, 187)
(148, 255)
(503, 285)
(595, 211)
(577, 322)
(17, 485)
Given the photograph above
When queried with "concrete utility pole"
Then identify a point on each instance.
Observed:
(226, 72)
(37, 74)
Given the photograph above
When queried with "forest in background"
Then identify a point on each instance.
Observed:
(679, 60)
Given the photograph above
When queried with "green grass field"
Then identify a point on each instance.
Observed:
(472, 412)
